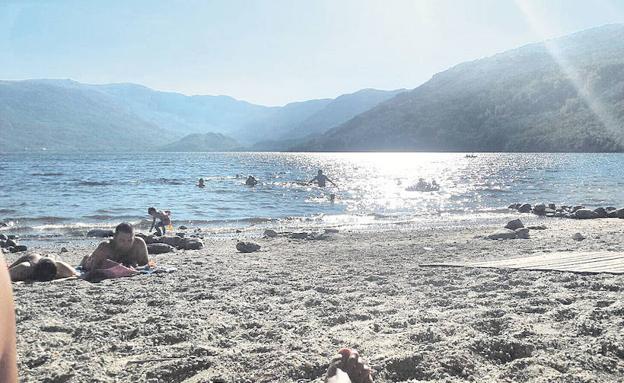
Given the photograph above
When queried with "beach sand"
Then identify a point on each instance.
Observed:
(280, 314)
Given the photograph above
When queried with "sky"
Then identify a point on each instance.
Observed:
(273, 52)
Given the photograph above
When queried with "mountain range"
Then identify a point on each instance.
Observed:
(66, 115)
(564, 94)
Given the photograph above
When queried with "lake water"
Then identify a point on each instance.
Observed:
(54, 192)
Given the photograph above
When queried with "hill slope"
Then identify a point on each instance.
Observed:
(520, 100)
(36, 115)
(208, 142)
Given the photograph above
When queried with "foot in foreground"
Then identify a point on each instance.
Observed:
(348, 367)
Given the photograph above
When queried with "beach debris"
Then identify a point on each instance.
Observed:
(247, 247)
(514, 224)
(585, 214)
(63, 250)
(537, 227)
(100, 233)
(270, 233)
(159, 248)
(578, 237)
(522, 233)
(503, 234)
(331, 231)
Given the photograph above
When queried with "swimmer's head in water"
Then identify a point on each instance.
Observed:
(45, 270)
(124, 236)
(320, 172)
(151, 210)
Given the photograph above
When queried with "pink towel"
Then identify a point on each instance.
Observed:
(111, 269)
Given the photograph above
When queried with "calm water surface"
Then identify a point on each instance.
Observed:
(58, 191)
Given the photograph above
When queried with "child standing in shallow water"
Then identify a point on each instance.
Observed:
(163, 220)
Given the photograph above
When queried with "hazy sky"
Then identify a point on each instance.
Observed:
(274, 51)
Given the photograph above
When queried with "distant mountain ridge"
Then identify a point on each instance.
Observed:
(565, 95)
(197, 142)
(67, 115)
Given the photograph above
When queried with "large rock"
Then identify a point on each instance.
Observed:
(171, 241)
(578, 237)
(3, 237)
(270, 233)
(612, 213)
(552, 206)
(18, 248)
(503, 234)
(159, 248)
(601, 212)
(9, 243)
(247, 247)
(514, 224)
(522, 233)
(100, 233)
(524, 208)
(585, 214)
(514, 206)
(539, 209)
(191, 244)
(619, 213)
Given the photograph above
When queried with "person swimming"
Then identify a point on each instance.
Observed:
(164, 220)
(251, 181)
(200, 183)
(34, 267)
(321, 179)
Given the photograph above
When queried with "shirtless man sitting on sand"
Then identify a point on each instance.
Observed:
(124, 248)
(34, 267)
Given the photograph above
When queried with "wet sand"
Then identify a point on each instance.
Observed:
(279, 315)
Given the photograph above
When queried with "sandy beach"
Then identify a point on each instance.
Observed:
(279, 315)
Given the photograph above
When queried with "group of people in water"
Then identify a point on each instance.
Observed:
(320, 179)
(424, 186)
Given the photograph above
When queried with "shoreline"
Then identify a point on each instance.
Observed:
(281, 313)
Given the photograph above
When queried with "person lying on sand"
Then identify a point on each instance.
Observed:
(163, 220)
(8, 352)
(34, 267)
(348, 367)
(124, 249)
(321, 179)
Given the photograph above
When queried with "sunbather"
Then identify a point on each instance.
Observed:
(34, 267)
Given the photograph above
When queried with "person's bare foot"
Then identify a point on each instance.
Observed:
(348, 367)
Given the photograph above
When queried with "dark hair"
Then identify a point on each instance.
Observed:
(124, 228)
(151, 209)
(45, 270)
